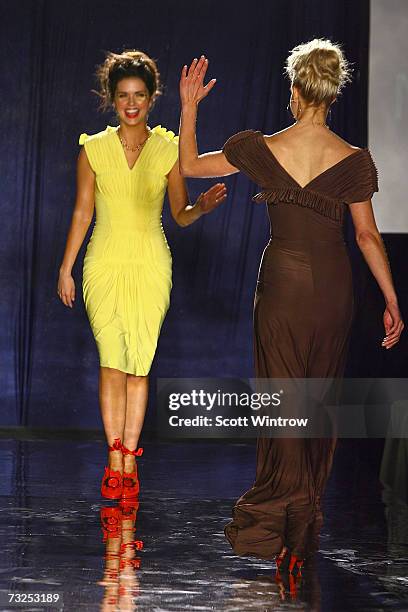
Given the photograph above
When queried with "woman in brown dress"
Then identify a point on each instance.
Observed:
(304, 300)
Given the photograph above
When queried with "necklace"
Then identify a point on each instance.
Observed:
(315, 123)
(137, 147)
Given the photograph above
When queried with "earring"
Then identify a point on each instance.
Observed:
(298, 109)
(289, 108)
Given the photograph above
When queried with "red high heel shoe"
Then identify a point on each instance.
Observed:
(130, 479)
(295, 582)
(280, 558)
(294, 560)
(112, 481)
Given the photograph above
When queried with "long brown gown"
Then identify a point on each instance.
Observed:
(303, 312)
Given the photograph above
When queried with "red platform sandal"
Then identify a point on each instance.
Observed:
(130, 479)
(112, 481)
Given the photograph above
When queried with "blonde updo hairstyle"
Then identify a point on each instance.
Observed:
(319, 70)
(129, 63)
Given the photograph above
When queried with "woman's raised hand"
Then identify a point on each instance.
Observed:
(212, 198)
(192, 88)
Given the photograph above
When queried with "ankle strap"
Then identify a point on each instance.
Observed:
(117, 445)
(136, 453)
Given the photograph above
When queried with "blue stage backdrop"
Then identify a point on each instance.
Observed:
(49, 363)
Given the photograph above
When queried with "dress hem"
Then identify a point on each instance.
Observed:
(126, 371)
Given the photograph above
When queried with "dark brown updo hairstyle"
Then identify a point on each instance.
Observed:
(319, 69)
(129, 63)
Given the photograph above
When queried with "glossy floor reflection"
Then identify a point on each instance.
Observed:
(170, 552)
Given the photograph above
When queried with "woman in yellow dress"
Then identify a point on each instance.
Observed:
(124, 172)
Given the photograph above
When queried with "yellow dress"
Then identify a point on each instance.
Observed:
(127, 274)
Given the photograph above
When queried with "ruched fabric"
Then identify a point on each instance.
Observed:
(353, 179)
(127, 272)
(303, 312)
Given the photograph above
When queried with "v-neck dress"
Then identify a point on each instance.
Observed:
(303, 312)
(127, 271)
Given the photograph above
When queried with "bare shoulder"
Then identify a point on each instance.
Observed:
(313, 149)
(342, 145)
(278, 137)
(327, 140)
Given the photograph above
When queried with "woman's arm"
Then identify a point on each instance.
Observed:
(372, 247)
(182, 211)
(192, 91)
(81, 219)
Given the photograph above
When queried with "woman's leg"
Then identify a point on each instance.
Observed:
(112, 399)
(136, 404)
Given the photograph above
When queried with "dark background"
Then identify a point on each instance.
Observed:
(49, 362)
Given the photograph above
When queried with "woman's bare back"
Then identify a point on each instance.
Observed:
(305, 152)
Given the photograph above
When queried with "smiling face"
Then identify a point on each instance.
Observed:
(132, 101)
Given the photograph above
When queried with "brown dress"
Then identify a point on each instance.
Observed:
(303, 312)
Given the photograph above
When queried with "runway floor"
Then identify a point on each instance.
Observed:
(52, 536)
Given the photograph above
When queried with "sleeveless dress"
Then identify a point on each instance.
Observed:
(127, 271)
(303, 311)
